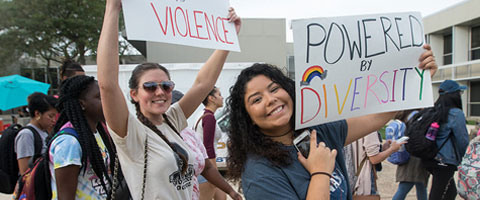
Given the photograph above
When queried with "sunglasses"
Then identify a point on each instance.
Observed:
(151, 86)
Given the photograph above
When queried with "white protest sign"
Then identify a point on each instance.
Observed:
(186, 22)
(357, 65)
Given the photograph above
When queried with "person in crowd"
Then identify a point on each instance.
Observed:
(368, 153)
(70, 68)
(454, 134)
(81, 166)
(42, 112)
(210, 133)
(202, 164)
(412, 173)
(156, 162)
(261, 108)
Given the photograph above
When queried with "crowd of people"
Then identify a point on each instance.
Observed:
(94, 143)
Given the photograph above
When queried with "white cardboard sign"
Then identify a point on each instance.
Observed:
(357, 65)
(187, 22)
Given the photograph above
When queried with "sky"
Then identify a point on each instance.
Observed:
(298, 9)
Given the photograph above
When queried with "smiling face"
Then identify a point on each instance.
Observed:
(269, 105)
(152, 103)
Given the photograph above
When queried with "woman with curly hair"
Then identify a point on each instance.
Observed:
(81, 165)
(261, 108)
(156, 162)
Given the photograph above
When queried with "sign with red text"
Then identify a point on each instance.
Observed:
(187, 22)
(357, 65)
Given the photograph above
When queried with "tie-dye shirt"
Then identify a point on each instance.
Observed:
(65, 150)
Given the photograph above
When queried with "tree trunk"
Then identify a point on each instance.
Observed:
(81, 57)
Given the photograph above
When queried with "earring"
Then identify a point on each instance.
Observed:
(37, 118)
(83, 108)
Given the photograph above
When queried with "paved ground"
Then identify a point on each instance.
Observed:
(386, 184)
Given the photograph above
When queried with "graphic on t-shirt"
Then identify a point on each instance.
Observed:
(337, 185)
(181, 182)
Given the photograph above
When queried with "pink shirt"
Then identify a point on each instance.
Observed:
(199, 153)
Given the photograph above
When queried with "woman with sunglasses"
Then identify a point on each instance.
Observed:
(156, 162)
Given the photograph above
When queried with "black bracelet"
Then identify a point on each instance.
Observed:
(323, 173)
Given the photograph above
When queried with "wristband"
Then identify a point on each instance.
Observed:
(322, 173)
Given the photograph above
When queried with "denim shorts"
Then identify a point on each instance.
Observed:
(201, 179)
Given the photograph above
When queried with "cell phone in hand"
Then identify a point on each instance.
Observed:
(302, 143)
(404, 138)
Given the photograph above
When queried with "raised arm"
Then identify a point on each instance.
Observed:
(208, 75)
(359, 127)
(113, 102)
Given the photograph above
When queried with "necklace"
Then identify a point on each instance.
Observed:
(280, 135)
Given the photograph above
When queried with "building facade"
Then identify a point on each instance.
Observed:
(261, 40)
(454, 34)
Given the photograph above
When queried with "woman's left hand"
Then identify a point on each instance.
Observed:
(427, 60)
(233, 17)
(235, 195)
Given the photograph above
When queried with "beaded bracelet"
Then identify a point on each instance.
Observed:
(323, 173)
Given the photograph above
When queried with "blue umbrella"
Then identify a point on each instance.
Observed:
(15, 89)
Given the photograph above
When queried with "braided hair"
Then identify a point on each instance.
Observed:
(133, 84)
(71, 111)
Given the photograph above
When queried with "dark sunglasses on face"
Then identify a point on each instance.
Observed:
(151, 86)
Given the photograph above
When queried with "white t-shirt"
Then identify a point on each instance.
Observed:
(164, 179)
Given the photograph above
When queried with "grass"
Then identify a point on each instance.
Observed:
(471, 122)
(382, 132)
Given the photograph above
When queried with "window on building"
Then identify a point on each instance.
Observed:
(291, 67)
(474, 102)
(475, 46)
(447, 49)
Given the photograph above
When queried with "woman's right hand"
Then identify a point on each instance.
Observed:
(320, 159)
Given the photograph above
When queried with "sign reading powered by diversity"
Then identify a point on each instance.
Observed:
(357, 65)
(187, 22)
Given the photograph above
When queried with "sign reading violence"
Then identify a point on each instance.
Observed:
(358, 65)
(186, 22)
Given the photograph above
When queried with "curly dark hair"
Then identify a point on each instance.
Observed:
(245, 137)
(133, 84)
(70, 110)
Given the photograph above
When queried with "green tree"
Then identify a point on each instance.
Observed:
(50, 29)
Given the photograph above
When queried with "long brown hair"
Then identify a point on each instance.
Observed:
(133, 84)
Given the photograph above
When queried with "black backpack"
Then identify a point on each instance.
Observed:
(9, 165)
(418, 145)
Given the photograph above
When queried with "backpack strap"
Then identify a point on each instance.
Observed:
(359, 166)
(198, 121)
(453, 143)
(68, 131)
(37, 141)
